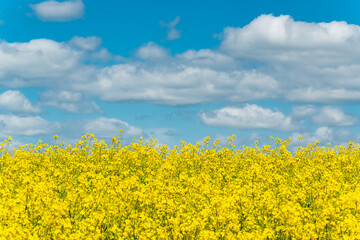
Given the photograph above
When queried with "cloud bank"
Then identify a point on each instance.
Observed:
(271, 58)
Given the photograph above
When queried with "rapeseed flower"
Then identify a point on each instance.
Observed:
(146, 191)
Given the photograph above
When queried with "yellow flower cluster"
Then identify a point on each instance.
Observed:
(143, 191)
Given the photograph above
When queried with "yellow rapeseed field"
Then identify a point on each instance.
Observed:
(144, 191)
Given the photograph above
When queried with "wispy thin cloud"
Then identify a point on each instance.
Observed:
(68, 101)
(172, 33)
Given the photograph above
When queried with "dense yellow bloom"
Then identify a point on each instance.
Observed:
(144, 191)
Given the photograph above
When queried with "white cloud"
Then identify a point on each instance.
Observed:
(68, 101)
(255, 85)
(188, 78)
(89, 48)
(177, 85)
(303, 57)
(323, 135)
(303, 111)
(109, 127)
(281, 38)
(39, 58)
(62, 96)
(59, 11)
(12, 125)
(44, 62)
(173, 23)
(86, 43)
(172, 33)
(324, 95)
(207, 58)
(248, 117)
(104, 55)
(332, 116)
(16, 102)
(151, 51)
(246, 68)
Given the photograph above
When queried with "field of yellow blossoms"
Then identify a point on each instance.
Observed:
(146, 191)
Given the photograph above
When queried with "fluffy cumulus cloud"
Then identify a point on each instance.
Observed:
(333, 116)
(284, 66)
(283, 39)
(304, 57)
(250, 116)
(48, 63)
(195, 76)
(288, 59)
(12, 125)
(89, 48)
(16, 102)
(109, 127)
(38, 59)
(187, 78)
(151, 51)
(86, 43)
(59, 11)
(177, 85)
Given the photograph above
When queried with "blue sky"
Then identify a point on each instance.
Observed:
(180, 70)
